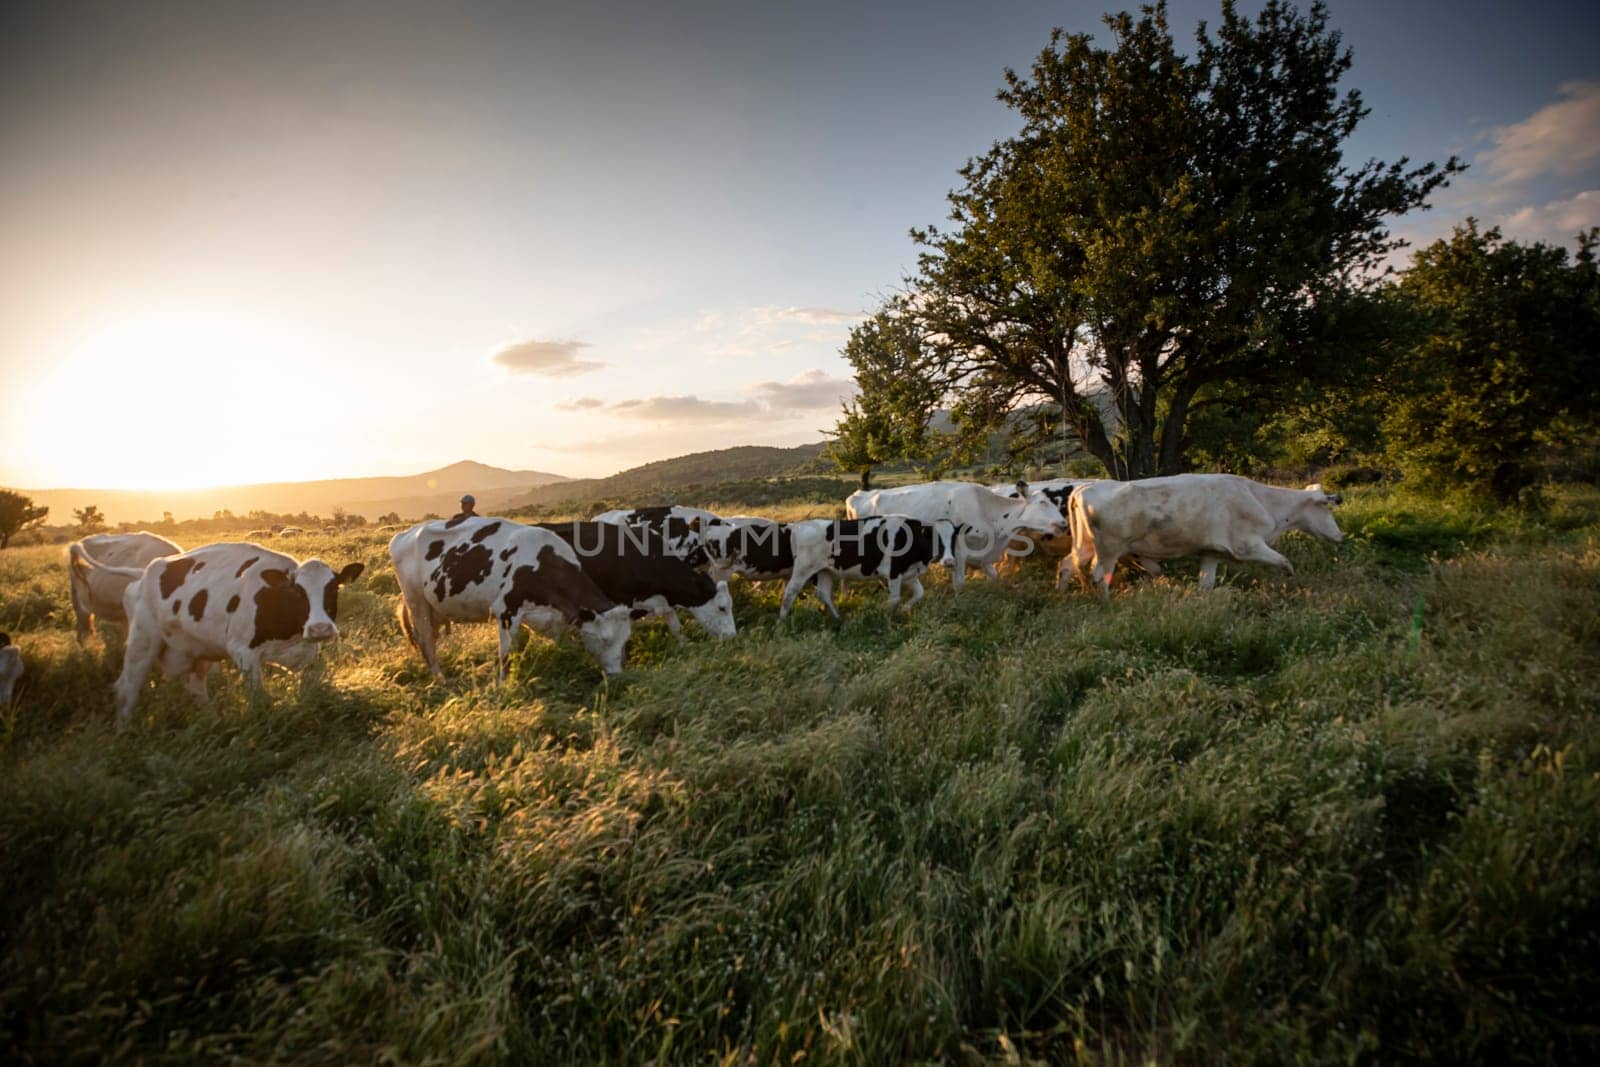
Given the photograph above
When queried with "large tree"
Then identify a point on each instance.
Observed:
(17, 513)
(1162, 228)
(1509, 359)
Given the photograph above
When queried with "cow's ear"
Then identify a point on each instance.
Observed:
(351, 572)
(694, 524)
(274, 577)
(1022, 487)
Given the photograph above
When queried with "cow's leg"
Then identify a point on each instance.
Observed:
(990, 571)
(670, 616)
(1078, 561)
(1105, 568)
(508, 634)
(144, 647)
(420, 625)
(186, 669)
(916, 594)
(797, 581)
(1149, 566)
(1258, 551)
(248, 660)
(825, 594)
(894, 591)
(1208, 571)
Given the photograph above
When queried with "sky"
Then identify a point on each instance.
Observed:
(263, 242)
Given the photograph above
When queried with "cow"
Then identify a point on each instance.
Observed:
(987, 523)
(96, 592)
(679, 526)
(633, 565)
(482, 568)
(892, 548)
(10, 669)
(753, 548)
(234, 600)
(1213, 516)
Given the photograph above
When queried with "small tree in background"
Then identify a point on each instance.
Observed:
(89, 520)
(17, 513)
(1509, 360)
(389, 518)
(890, 418)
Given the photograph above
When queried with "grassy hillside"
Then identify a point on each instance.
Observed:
(1349, 815)
(676, 480)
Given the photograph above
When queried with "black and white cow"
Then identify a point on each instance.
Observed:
(633, 565)
(479, 568)
(892, 548)
(10, 668)
(679, 526)
(236, 601)
(96, 591)
(757, 549)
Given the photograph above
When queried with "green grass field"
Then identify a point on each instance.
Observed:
(1352, 815)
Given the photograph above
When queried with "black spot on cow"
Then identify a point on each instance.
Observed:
(246, 565)
(200, 566)
(767, 548)
(483, 533)
(434, 548)
(282, 609)
(1058, 497)
(462, 566)
(651, 516)
(197, 606)
(177, 604)
(507, 553)
(456, 520)
(330, 592)
(634, 563)
(173, 574)
(556, 583)
(233, 603)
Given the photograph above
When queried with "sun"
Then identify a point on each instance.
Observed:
(175, 399)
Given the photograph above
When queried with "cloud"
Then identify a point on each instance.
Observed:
(771, 401)
(686, 409)
(1556, 222)
(1559, 138)
(555, 359)
(809, 314)
(811, 391)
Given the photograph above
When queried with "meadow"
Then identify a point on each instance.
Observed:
(1351, 815)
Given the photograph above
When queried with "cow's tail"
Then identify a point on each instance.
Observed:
(403, 613)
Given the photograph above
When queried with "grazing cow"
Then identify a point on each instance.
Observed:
(987, 523)
(633, 565)
(1213, 516)
(680, 527)
(96, 592)
(482, 568)
(10, 668)
(234, 600)
(892, 548)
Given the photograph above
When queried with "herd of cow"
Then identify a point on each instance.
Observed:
(239, 601)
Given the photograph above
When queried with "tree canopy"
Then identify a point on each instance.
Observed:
(1162, 227)
(17, 513)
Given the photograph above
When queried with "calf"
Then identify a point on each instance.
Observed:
(236, 601)
(10, 668)
(95, 590)
(478, 568)
(633, 565)
(1213, 516)
(892, 548)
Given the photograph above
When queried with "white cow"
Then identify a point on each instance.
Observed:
(234, 600)
(97, 592)
(987, 523)
(482, 568)
(10, 669)
(1213, 516)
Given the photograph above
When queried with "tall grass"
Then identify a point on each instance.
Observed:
(1281, 822)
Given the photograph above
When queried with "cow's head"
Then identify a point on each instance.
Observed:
(308, 594)
(716, 614)
(605, 635)
(944, 532)
(1041, 515)
(1315, 514)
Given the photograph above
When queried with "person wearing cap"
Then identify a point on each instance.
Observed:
(468, 503)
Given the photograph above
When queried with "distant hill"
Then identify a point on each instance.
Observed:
(743, 463)
(412, 496)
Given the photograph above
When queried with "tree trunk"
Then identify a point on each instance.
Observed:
(1172, 430)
